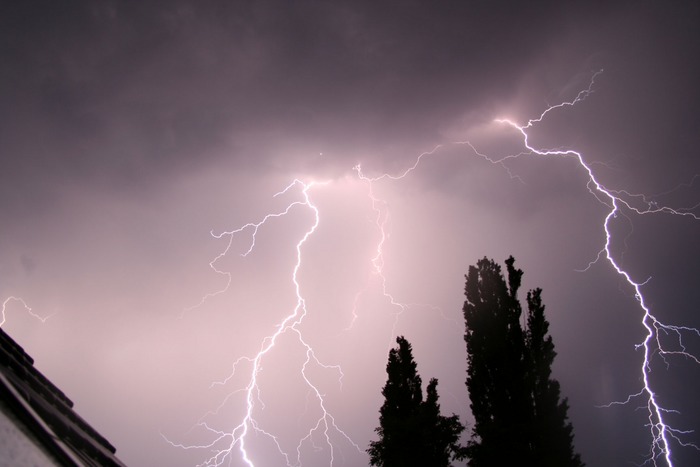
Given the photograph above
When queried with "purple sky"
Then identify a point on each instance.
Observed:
(128, 132)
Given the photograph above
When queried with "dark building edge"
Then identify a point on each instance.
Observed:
(46, 412)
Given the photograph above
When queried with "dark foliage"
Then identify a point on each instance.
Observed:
(519, 417)
(411, 430)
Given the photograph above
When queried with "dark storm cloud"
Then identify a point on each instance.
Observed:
(116, 91)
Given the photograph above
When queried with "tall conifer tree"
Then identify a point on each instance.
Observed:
(411, 430)
(518, 417)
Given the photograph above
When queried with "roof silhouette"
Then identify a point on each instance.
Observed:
(45, 415)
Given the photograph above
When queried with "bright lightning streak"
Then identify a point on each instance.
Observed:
(236, 438)
(381, 220)
(27, 308)
(254, 226)
(617, 201)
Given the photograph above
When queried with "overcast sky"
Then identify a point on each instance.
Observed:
(131, 130)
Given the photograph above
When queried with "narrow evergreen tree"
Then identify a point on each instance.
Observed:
(398, 431)
(411, 430)
(519, 419)
(496, 367)
(440, 434)
(553, 440)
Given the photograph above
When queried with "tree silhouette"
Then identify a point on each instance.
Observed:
(553, 440)
(411, 430)
(518, 416)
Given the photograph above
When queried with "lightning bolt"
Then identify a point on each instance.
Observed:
(381, 220)
(27, 308)
(325, 424)
(621, 202)
(618, 202)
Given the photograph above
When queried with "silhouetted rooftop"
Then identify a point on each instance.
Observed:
(45, 413)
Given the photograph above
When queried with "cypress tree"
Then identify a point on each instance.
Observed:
(518, 416)
(411, 430)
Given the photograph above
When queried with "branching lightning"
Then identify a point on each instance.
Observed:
(381, 221)
(618, 202)
(27, 308)
(325, 424)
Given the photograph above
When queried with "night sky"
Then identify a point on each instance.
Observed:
(132, 131)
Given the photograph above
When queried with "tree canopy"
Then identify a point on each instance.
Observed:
(519, 418)
(411, 430)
